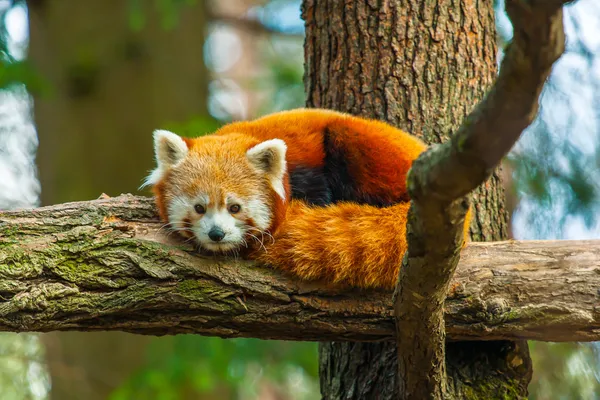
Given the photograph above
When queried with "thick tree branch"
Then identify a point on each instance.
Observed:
(104, 265)
(441, 177)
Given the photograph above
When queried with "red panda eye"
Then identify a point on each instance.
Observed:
(199, 209)
(234, 208)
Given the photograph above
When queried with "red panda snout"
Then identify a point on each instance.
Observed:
(216, 234)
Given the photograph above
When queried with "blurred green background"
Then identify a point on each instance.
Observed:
(84, 83)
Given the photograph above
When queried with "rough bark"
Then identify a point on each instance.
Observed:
(106, 265)
(422, 67)
(440, 178)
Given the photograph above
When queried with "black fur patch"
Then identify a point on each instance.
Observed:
(341, 183)
(310, 185)
(336, 170)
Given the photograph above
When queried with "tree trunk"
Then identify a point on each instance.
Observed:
(111, 85)
(422, 67)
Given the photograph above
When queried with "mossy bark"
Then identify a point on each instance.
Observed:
(421, 66)
(107, 265)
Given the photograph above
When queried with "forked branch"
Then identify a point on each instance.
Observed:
(439, 180)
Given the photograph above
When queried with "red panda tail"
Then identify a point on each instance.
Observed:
(347, 243)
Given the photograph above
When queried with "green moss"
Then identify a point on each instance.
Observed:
(7, 231)
(199, 290)
(492, 389)
(517, 315)
(202, 292)
(16, 262)
(87, 274)
(190, 287)
(462, 139)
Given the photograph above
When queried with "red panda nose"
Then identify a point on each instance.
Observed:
(216, 234)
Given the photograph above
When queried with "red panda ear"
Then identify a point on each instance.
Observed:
(169, 150)
(269, 158)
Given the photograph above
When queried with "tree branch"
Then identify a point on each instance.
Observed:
(441, 177)
(248, 24)
(104, 265)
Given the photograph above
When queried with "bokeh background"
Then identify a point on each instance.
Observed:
(84, 83)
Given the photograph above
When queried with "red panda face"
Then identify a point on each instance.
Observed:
(219, 191)
(219, 218)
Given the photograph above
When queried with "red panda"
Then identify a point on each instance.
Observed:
(313, 192)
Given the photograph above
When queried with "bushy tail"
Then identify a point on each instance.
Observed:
(348, 243)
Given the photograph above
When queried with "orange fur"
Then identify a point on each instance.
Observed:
(350, 243)
(380, 154)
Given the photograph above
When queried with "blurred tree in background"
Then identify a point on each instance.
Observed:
(103, 75)
(115, 71)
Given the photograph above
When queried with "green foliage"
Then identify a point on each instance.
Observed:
(12, 70)
(22, 372)
(287, 90)
(188, 366)
(168, 10)
(555, 175)
(564, 371)
(196, 126)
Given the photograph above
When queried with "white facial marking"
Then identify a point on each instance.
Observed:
(223, 220)
(178, 210)
(256, 208)
(259, 211)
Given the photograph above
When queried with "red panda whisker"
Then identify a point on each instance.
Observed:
(188, 240)
(171, 227)
(261, 241)
(263, 233)
(233, 252)
(269, 235)
(165, 227)
(168, 232)
(255, 237)
(262, 245)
